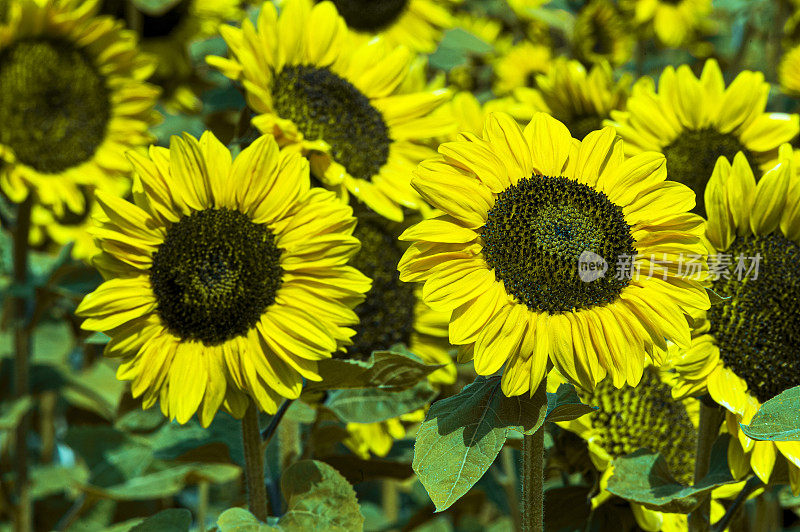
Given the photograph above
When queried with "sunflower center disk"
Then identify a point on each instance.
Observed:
(692, 156)
(549, 240)
(645, 417)
(325, 106)
(387, 314)
(54, 105)
(758, 329)
(214, 275)
(370, 15)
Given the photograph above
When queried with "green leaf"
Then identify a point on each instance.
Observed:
(168, 482)
(240, 520)
(174, 519)
(55, 479)
(462, 435)
(98, 338)
(155, 8)
(318, 498)
(778, 419)
(643, 477)
(371, 404)
(565, 405)
(387, 370)
(11, 412)
(96, 389)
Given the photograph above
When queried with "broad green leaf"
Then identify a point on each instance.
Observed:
(462, 435)
(174, 519)
(112, 456)
(565, 405)
(318, 498)
(11, 412)
(140, 420)
(96, 389)
(778, 419)
(643, 477)
(167, 482)
(49, 480)
(370, 404)
(240, 520)
(155, 8)
(98, 338)
(387, 370)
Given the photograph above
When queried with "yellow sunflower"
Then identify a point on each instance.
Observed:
(789, 71)
(519, 67)
(336, 103)
(644, 417)
(554, 249)
(224, 279)
(744, 349)
(167, 34)
(579, 99)
(393, 312)
(48, 228)
(601, 33)
(416, 24)
(674, 22)
(73, 101)
(693, 121)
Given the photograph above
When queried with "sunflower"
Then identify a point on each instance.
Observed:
(336, 103)
(529, 216)
(579, 99)
(167, 34)
(601, 33)
(789, 71)
(392, 313)
(744, 350)
(694, 121)
(73, 101)
(470, 114)
(48, 228)
(224, 279)
(417, 24)
(519, 67)
(644, 417)
(674, 22)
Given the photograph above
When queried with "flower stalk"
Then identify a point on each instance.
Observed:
(533, 475)
(254, 464)
(711, 416)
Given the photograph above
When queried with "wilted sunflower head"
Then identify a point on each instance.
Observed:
(68, 109)
(601, 33)
(694, 121)
(337, 104)
(225, 279)
(579, 98)
(537, 252)
(745, 350)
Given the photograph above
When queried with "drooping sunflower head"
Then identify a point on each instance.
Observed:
(520, 66)
(744, 351)
(579, 98)
(225, 279)
(69, 109)
(674, 22)
(555, 250)
(336, 103)
(694, 121)
(601, 33)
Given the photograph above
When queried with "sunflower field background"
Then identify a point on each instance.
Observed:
(416, 265)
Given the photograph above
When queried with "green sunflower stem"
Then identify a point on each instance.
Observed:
(711, 416)
(254, 463)
(533, 476)
(22, 349)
